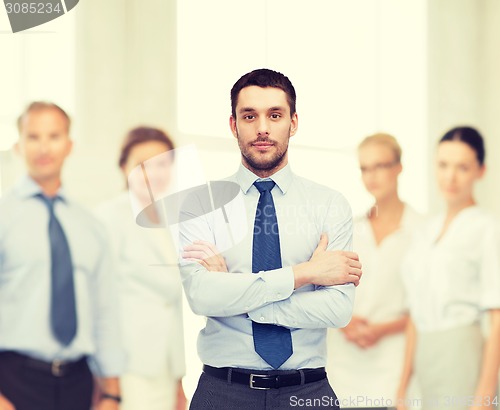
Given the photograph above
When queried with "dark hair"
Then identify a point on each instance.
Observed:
(39, 106)
(139, 135)
(264, 77)
(469, 136)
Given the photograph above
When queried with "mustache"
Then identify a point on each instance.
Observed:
(264, 139)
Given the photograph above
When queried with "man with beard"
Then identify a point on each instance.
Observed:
(270, 297)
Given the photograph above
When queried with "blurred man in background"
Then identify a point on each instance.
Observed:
(58, 302)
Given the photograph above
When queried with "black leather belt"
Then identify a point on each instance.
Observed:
(58, 368)
(263, 381)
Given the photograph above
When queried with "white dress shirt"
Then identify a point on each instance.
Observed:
(150, 292)
(451, 281)
(25, 281)
(374, 372)
(232, 300)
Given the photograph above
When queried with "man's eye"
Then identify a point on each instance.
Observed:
(249, 117)
(275, 116)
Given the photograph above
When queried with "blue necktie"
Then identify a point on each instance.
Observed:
(272, 342)
(62, 301)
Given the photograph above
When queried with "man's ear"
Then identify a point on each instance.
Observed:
(70, 147)
(17, 148)
(294, 125)
(399, 168)
(232, 125)
(482, 171)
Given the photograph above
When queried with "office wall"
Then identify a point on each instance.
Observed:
(464, 86)
(489, 94)
(125, 77)
(126, 74)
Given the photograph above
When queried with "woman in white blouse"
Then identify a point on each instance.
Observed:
(149, 278)
(366, 357)
(452, 277)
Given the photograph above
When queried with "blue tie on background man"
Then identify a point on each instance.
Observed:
(62, 301)
(272, 342)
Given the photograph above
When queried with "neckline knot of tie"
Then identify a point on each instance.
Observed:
(49, 201)
(264, 186)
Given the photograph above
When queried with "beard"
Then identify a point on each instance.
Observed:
(260, 161)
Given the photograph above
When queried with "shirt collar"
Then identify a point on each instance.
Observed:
(283, 178)
(27, 187)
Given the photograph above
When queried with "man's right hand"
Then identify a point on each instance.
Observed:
(328, 268)
(5, 404)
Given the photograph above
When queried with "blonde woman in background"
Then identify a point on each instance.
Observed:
(452, 277)
(366, 357)
(150, 283)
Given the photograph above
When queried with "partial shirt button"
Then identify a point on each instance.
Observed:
(262, 318)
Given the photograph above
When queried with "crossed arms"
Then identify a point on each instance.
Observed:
(314, 294)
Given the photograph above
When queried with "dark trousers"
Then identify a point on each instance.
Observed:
(31, 386)
(217, 394)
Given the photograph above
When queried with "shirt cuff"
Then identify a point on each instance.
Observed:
(280, 286)
(280, 283)
(109, 364)
(264, 314)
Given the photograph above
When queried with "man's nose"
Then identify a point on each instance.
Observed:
(263, 128)
(43, 146)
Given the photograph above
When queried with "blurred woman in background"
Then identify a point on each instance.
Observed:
(452, 277)
(150, 283)
(366, 357)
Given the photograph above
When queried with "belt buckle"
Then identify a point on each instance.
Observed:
(56, 368)
(252, 376)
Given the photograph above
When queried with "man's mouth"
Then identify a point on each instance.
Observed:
(262, 146)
